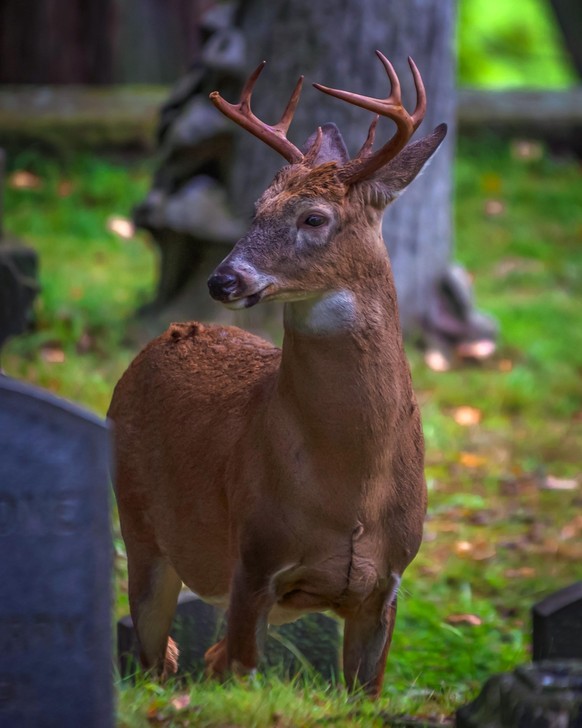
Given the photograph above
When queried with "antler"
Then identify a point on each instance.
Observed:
(275, 136)
(365, 163)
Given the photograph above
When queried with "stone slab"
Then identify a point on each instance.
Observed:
(557, 625)
(55, 570)
(310, 644)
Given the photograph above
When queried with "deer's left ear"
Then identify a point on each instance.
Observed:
(332, 147)
(395, 176)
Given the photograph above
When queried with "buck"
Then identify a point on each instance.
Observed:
(276, 482)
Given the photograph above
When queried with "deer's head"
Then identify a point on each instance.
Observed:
(317, 226)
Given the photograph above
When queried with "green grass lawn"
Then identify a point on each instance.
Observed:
(498, 538)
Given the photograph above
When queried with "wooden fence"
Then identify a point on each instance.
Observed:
(97, 41)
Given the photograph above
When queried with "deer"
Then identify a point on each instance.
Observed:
(274, 482)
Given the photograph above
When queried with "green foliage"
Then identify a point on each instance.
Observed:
(91, 280)
(496, 540)
(511, 44)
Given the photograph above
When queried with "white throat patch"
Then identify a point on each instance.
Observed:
(329, 313)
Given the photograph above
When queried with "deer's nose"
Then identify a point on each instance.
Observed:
(223, 283)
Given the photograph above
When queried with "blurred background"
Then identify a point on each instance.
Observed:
(122, 188)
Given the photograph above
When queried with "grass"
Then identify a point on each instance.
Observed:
(497, 539)
(503, 44)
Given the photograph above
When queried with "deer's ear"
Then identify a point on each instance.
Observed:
(395, 176)
(333, 147)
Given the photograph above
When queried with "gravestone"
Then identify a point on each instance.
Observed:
(546, 694)
(557, 625)
(55, 564)
(311, 643)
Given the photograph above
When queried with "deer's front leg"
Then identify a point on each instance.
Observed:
(250, 602)
(367, 638)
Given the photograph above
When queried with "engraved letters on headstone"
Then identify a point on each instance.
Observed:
(55, 569)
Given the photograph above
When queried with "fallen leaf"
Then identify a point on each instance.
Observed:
(479, 550)
(520, 573)
(552, 483)
(446, 527)
(494, 208)
(467, 416)
(437, 361)
(471, 619)
(52, 354)
(571, 529)
(121, 226)
(23, 180)
(65, 188)
(470, 460)
(153, 713)
(463, 547)
(181, 701)
(482, 349)
(526, 150)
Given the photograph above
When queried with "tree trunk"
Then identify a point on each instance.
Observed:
(333, 42)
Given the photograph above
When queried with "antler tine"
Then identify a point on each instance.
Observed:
(289, 113)
(395, 90)
(365, 164)
(420, 110)
(273, 136)
(366, 149)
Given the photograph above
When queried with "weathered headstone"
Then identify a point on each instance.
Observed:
(557, 625)
(311, 643)
(55, 564)
(545, 694)
(195, 628)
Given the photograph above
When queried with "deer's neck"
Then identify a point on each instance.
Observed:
(344, 376)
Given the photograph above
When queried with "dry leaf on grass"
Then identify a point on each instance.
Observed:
(437, 361)
(467, 416)
(520, 573)
(65, 188)
(53, 354)
(552, 483)
(526, 150)
(23, 180)
(181, 701)
(479, 550)
(479, 350)
(470, 460)
(470, 619)
(121, 226)
(493, 208)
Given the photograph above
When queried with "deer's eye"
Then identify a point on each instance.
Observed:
(314, 220)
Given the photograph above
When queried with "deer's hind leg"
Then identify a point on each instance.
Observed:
(154, 587)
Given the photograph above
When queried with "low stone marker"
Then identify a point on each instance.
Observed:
(311, 643)
(548, 692)
(557, 625)
(55, 564)
(545, 694)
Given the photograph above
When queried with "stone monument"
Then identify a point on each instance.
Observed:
(55, 568)
(309, 645)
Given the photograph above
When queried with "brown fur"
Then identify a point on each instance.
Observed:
(279, 482)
